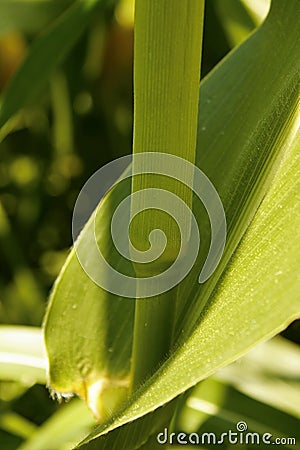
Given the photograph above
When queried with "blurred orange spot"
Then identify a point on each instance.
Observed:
(12, 51)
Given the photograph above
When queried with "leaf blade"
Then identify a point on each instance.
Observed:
(289, 156)
(46, 54)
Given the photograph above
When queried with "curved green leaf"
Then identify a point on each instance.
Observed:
(95, 326)
(217, 407)
(269, 373)
(62, 430)
(258, 294)
(247, 133)
(45, 55)
(22, 354)
(29, 15)
(248, 304)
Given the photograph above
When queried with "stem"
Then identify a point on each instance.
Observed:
(63, 122)
(168, 38)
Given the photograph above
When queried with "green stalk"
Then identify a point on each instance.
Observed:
(168, 38)
(63, 121)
